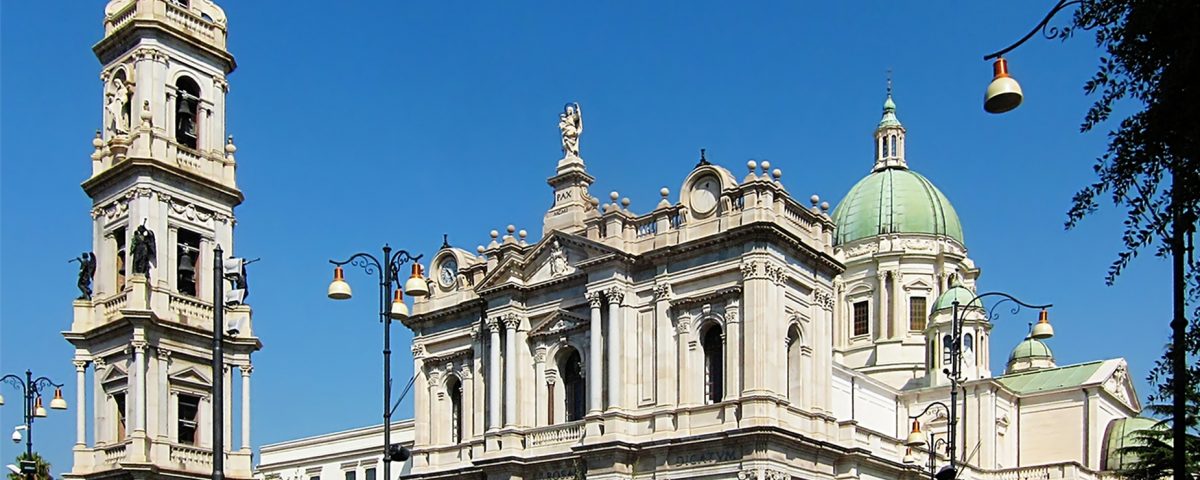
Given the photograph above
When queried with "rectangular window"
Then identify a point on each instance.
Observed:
(187, 254)
(189, 407)
(916, 313)
(119, 399)
(351, 475)
(369, 474)
(861, 321)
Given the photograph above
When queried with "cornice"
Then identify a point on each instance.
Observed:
(93, 185)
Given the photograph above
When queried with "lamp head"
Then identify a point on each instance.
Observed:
(58, 403)
(908, 456)
(946, 473)
(338, 288)
(38, 410)
(1042, 330)
(16, 437)
(1, 400)
(916, 438)
(399, 310)
(416, 285)
(1004, 93)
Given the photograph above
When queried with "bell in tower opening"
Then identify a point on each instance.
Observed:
(187, 103)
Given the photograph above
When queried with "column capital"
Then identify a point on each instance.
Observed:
(511, 321)
(662, 291)
(539, 355)
(247, 370)
(80, 365)
(464, 370)
(595, 299)
(99, 362)
(494, 325)
(615, 294)
(139, 346)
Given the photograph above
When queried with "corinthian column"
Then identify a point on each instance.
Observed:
(594, 355)
(615, 297)
(510, 370)
(81, 408)
(494, 374)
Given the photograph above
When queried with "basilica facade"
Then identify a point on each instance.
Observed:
(734, 331)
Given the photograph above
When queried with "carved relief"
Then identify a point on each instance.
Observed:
(861, 249)
(559, 263)
(917, 244)
(662, 291)
(749, 270)
(823, 299)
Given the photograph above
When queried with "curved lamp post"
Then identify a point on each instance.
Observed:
(1004, 93)
(31, 393)
(916, 438)
(390, 308)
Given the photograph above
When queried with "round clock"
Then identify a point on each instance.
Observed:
(705, 192)
(448, 272)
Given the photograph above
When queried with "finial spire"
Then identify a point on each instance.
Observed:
(889, 82)
(703, 159)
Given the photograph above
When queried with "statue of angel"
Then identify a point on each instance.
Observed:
(144, 249)
(118, 114)
(87, 271)
(570, 122)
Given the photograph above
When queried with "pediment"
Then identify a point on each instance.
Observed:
(918, 284)
(113, 374)
(557, 323)
(190, 376)
(1120, 386)
(557, 256)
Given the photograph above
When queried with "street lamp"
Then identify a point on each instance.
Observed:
(31, 393)
(391, 307)
(916, 438)
(1004, 93)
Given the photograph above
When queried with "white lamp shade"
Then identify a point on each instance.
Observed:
(916, 438)
(58, 403)
(338, 288)
(416, 285)
(1042, 330)
(1004, 93)
(1, 400)
(399, 310)
(16, 438)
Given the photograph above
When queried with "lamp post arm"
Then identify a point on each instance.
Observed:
(367, 262)
(1051, 33)
(42, 383)
(15, 381)
(926, 410)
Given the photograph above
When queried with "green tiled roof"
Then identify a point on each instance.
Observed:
(894, 200)
(1050, 378)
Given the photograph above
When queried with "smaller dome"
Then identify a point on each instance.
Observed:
(1121, 433)
(961, 294)
(1030, 348)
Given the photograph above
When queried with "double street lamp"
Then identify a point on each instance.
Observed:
(391, 307)
(31, 394)
(953, 372)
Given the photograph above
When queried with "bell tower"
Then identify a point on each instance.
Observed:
(163, 191)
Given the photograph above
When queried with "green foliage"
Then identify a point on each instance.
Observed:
(1151, 449)
(43, 468)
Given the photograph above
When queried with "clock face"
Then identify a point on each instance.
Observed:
(705, 192)
(448, 272)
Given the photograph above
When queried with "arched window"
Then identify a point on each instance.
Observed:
(893, 145)
(454, 390)
(946, 341)
(794, 357)
(187, 107)
(969, 347)
(714, 358)
(574, 388)
(883, 147)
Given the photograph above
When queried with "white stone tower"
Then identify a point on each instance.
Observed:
(163, 192)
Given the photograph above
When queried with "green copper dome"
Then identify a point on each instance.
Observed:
(956, 292)
(1030, 348)
(1121, 433)
(894, 200)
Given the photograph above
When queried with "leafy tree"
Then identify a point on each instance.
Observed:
(1151, 168)
(43, 468)
(1150, 451)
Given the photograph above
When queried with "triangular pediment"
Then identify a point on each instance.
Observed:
(1120, 385)
(557, 323)
(557, 256)
(190, 376)
(113, 374)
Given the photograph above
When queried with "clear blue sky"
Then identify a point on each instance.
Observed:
(362, 123)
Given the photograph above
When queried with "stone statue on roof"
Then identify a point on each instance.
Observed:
(570, 123)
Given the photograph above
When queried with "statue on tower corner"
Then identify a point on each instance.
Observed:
(144, 249)
(570, 122)
(118, 111)
(87, 271)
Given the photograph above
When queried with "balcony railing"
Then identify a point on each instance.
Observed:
(555, 434)
(191, 458)
(189, 311)
(113, 454)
